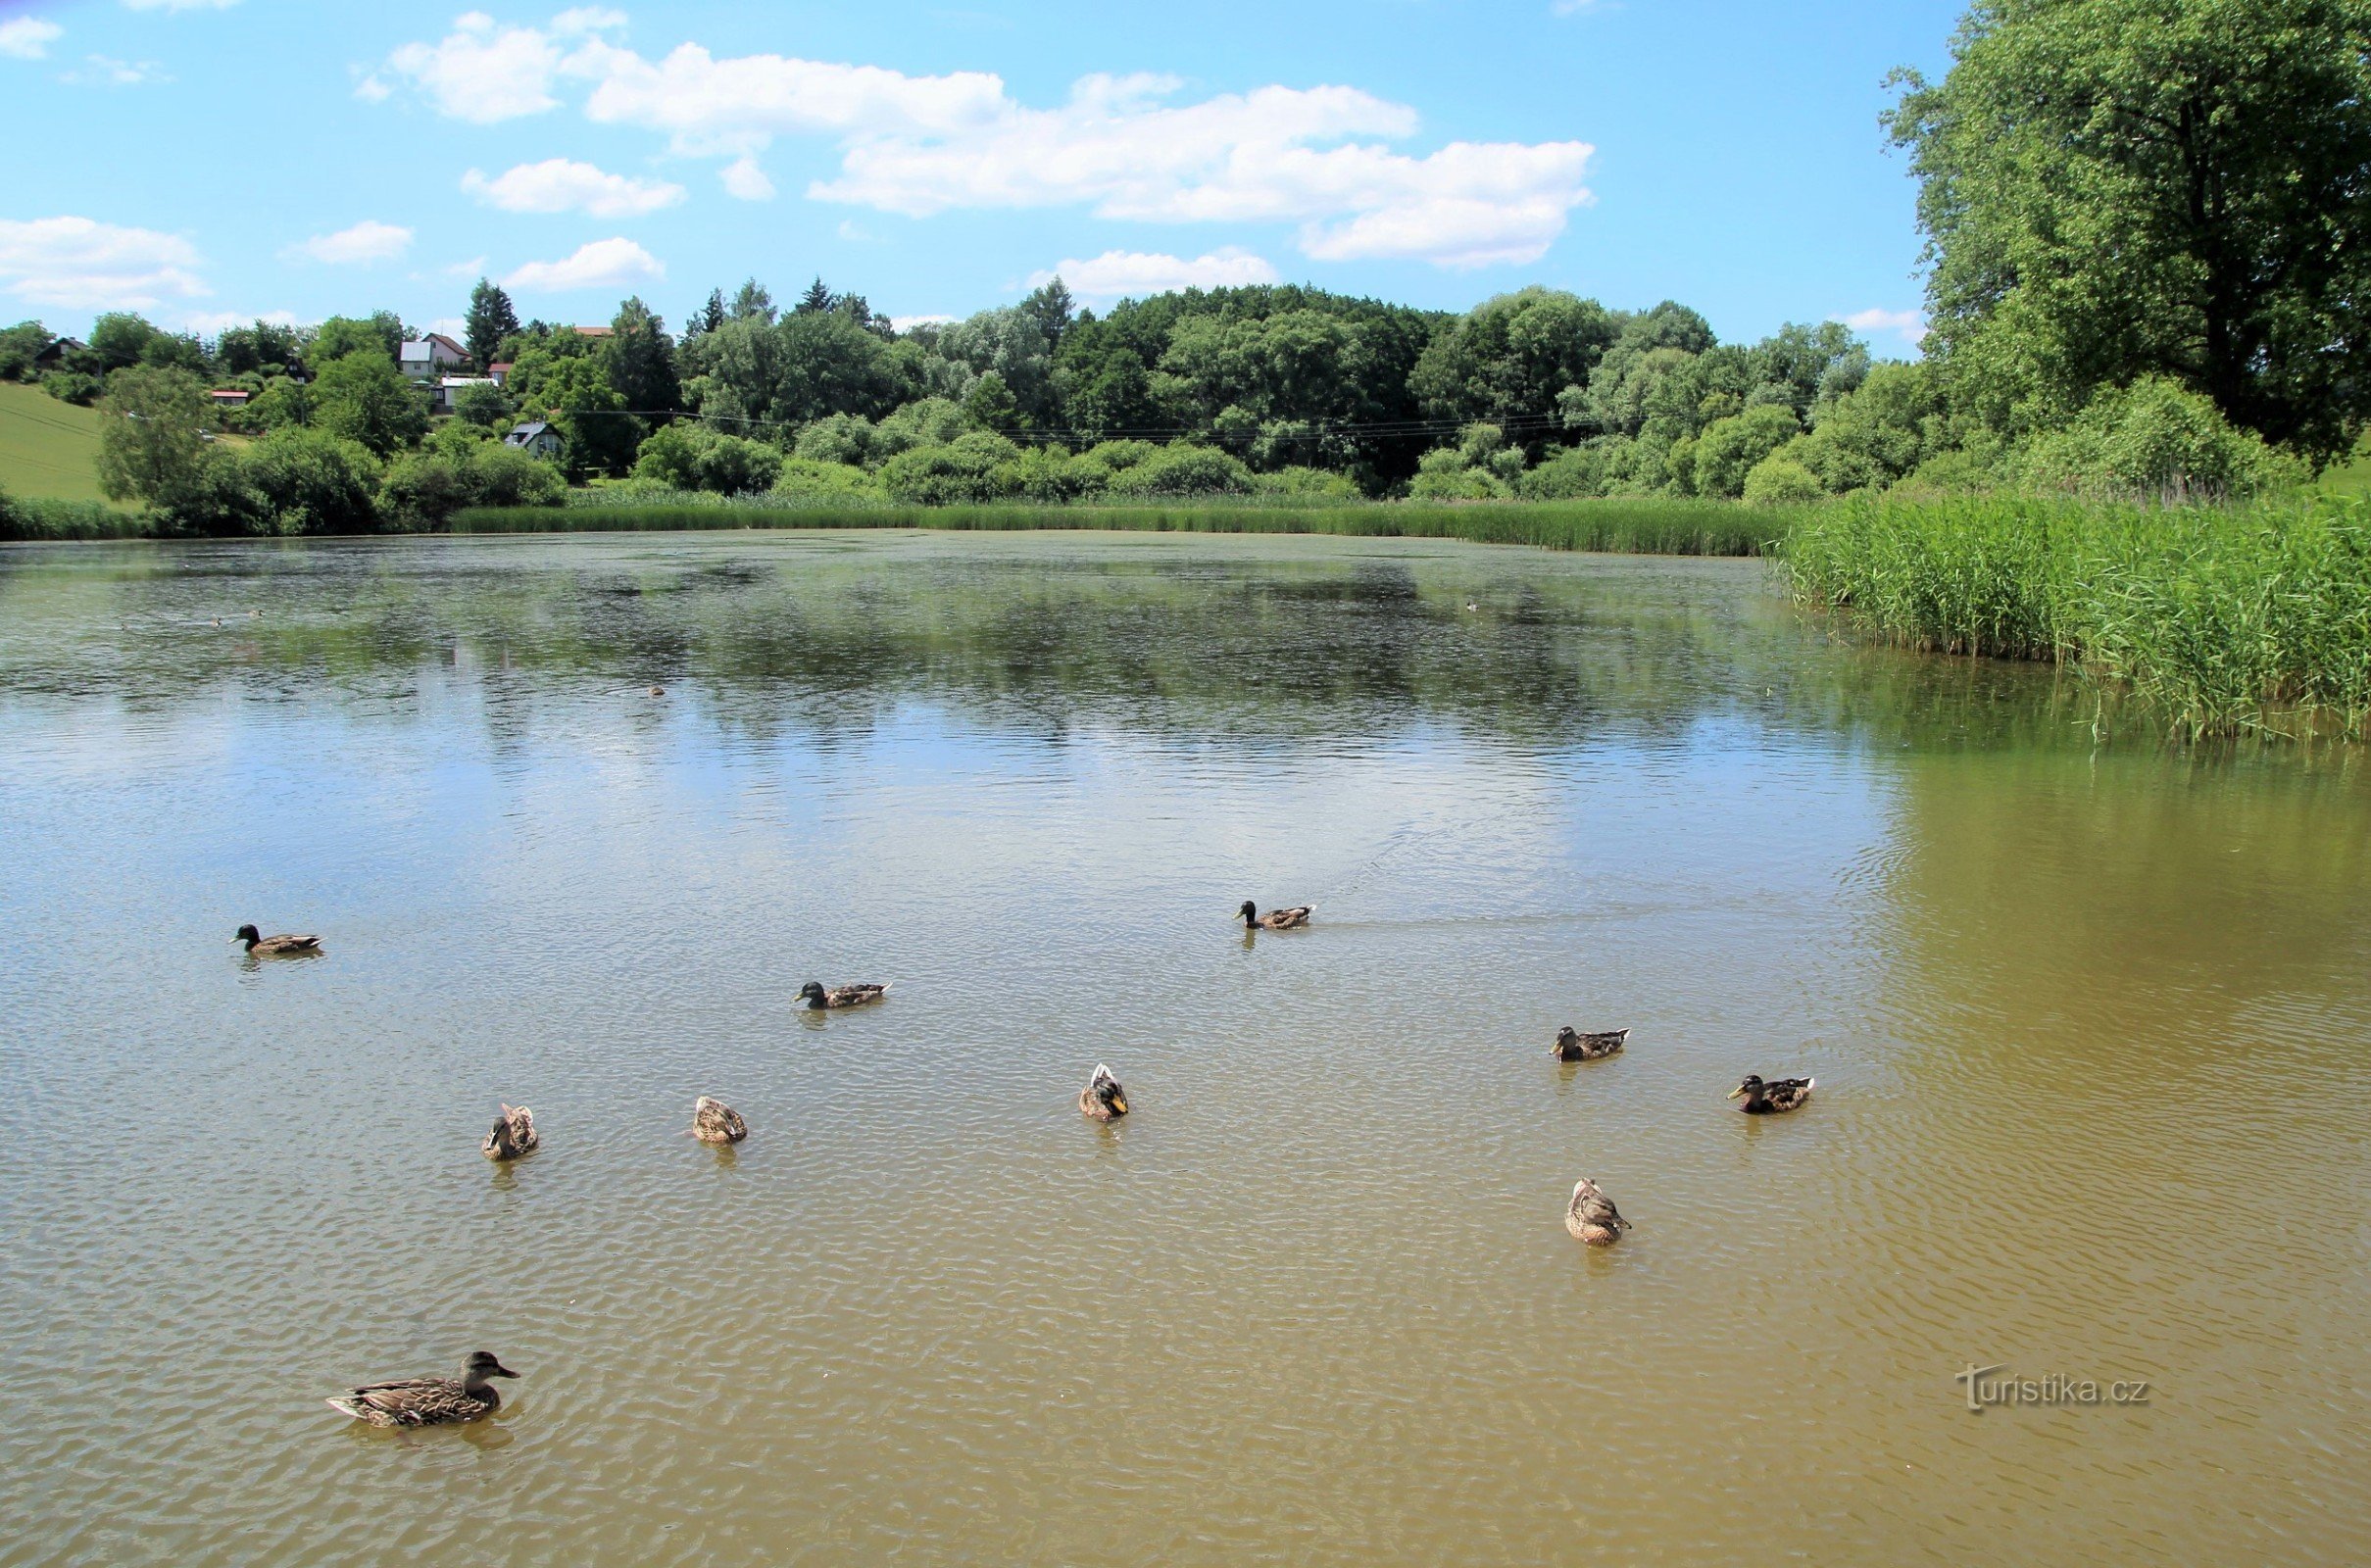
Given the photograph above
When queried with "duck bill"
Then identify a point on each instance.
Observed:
(1739, 1090)
(1120, 1103)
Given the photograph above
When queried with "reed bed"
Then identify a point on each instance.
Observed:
(1642, 527)
(24, 518)
(2226, 620)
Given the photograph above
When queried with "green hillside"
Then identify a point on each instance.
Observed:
(47, 448)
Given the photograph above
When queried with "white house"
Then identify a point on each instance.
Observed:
(535, 438)
(430, 358)
(450, 388)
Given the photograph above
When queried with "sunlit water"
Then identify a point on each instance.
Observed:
(2092, 1027)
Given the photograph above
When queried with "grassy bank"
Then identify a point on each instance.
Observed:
(2225, 621)
(48, 449)
(1632, 526)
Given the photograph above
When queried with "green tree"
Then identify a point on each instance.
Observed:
(1508, 359)
(264, 348)
(1731, 448)
(491, 320)
(2113, 188)
(817, 299)
(153, 424)
(17, 346)
(362, 398)
(381, 332)
(312, 481)
(642, 359)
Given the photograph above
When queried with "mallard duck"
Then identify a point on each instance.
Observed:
(260, 946)
(1770, 1098)
(429, 1401)
(715, 1122)
(1591, 1216)
(1573, 1046)
(1274, 919)
(819, 1000)
(1103, 1098)
(514, 1134)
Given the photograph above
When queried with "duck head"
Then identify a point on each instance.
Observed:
(485, 1364)
(1751, 1088)
(249, 935)
(1250, 912)
(811, 994)
(1104, 1087)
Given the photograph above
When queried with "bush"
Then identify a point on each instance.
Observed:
(1729, 448)
(1568, 474)
(1049, 474)
(489, 407)
(40, 517)
(844, 439)
(692, 456)
(310, 481)
(979, 467)
(2156, 440)
(1184, 470)
(1780, 480)
(422, 491)
(17, 346)
(805, 480)
(926, 422)
(1310, 484)
(73, 386)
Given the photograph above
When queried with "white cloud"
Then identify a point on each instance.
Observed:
(745, 180)
(1136, 273)
(28, 37)
(587, 19)
(105, 71)
(214, 324)
(367, 241)
(178, 5)
(371, 90)
(481, 72)
(471, 267)
(603, 263)
(79, 263)
(1316, 158)
(559, 186)
(906, 323)
(1910, 324)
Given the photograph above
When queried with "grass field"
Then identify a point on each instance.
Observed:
(48, 450)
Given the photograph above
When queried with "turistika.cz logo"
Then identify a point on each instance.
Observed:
(1986, 1391)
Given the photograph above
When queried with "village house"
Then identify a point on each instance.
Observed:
(447, 394)
(431, 355)
(535, 438)
(230, 397)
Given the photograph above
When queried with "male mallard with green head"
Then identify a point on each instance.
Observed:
(1573, 1046)
(1591, 1216)
(820, 1000)
(429, 1401)
(1275, 919)
(260, 946)
(1103, 1098)
(514, 1134)
(715, 1122)
(1771, 1099)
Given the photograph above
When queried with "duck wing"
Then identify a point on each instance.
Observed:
(288, 943)
(855, 996)
(412, 1402)
(1286, 919)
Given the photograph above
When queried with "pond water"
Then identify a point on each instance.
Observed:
(2089, 1023)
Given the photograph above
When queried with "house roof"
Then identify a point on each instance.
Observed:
(426, 346)
(594, 331)
(529, 431)
(467, 380)
(499, 368)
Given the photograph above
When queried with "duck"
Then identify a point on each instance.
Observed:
(514, 1134)
(429, 1401)
(1772, 1098)
(1573, 1046)
(260, 946)
(1103, 1098)
(819, 1000)
(1275, 919)
(1591, 1216)
(715, 1122)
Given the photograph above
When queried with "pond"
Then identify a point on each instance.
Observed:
(2089, 1023)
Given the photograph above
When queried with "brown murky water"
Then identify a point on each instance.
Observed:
(2092, 1029)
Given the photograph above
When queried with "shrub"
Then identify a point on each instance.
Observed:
(1051, 474)
(422, 491)
(1568, 474)
(73, 386)
(2156, 440)
(1729, 448)
(978, 467)
(1184, 470)
(488, 407)
(925, 423)
(805, 480)
(692, 456)
(845, 439)
(310, 481)
(1310, 484)
(1780, 480)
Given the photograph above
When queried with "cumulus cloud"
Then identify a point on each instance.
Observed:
(1115, 274)
(603, 263)
(746, 181)
(559, 186)
(906, 323)
(77, 262)
(1124, 146)
(1910, 324)
(105, 71)
(28, 37)
(367, 241)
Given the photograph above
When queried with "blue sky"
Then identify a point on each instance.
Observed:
(204, 160)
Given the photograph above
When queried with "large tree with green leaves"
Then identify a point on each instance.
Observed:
(642, 359)
(153, 424)
(2114, 188)
(491, 320)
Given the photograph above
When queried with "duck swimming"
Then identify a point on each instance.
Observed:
(1591, 1216)
(715, 1122)
(429, 1401)
(1573, 1046)
(1275, 919)
(1772, 1098)
(514, 1134)
(1103, 1098)
(819, 1000)
(260, 946)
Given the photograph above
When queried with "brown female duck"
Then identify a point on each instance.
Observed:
(715, 1122)
(429, 1401)
(1591, 1216)
(1573, 1046)
(1773, 1098)
(1103, 1098)
(514, 1134)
